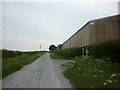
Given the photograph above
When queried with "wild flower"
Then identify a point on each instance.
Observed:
(101, 71)
(108, 58)
(109, 81)
(100, 60)
(113, 75)
(95, 76)
(105, 83)
(97, 60)
(68, 66)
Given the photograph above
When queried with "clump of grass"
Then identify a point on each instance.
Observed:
(56, 56)
(13, 64)
(93, 73)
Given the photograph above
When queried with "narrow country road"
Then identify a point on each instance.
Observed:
(42, 73)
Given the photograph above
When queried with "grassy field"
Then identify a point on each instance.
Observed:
(89, 72)
(11, 64)
(56, 56)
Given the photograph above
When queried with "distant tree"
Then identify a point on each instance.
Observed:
(52, 47)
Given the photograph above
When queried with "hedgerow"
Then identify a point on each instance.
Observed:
(70, 52)
(9, 53)
(109, 49)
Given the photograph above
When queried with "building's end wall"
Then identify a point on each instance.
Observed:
(79, 39)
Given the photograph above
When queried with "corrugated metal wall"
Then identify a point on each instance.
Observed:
(105, 29)
(81, 38)
(95, 31)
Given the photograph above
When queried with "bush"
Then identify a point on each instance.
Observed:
(52, 48)
(109, 49)
(70, 52)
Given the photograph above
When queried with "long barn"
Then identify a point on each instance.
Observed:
(95, 31)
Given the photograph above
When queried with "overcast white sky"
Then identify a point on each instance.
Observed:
(26, 25)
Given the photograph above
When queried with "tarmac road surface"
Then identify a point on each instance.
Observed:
(42, 73)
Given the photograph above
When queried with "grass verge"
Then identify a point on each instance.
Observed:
(13, 64)
(93, 73)
(56, 56)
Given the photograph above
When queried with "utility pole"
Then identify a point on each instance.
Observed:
(40, 47)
